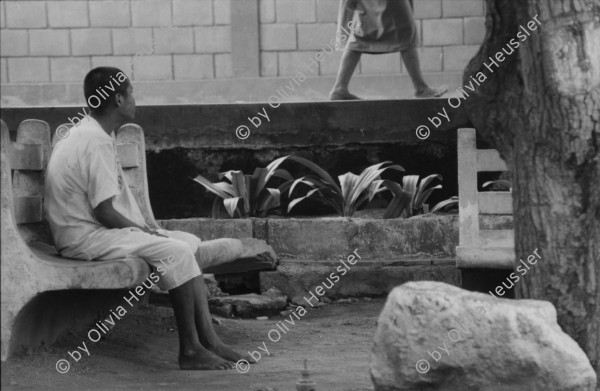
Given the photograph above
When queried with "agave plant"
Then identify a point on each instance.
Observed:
(247, 195)
(498, 185)
(446, 205)
(410, 198)
(345, 198)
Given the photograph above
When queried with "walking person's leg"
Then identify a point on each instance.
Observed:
(404, 19)
(348, 64)
(410, 57)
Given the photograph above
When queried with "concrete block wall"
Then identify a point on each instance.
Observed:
(232, 50)
(291, 31)
(60, 41)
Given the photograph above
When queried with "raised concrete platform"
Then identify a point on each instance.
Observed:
(290, 125)
(225, 91)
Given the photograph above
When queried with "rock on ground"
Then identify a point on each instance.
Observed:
(434, 336)
(212, 286)
(250, 305)
(240, 256)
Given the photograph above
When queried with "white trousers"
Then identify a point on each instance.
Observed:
(173, 257)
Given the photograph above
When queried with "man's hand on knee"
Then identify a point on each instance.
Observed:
(153, 232)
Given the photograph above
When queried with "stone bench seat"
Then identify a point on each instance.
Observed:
(45, 294)
(77, 274)
(221, 256)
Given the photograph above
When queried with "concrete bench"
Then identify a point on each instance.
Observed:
(481, 248)
(44, 294)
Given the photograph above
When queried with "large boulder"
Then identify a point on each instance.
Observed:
(435, 336)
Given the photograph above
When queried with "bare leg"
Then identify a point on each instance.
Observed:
(205, 331)
(410, 57)
(348, 64)
(192, 355)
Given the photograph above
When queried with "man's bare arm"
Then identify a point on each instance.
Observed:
(109, 217)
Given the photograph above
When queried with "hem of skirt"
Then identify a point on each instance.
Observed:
(380, 50)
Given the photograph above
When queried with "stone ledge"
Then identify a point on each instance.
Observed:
(257, 255)
(374, 262)
(430, 238)
(301, 124)
(298, 278)
(225, 91)
(423, 236)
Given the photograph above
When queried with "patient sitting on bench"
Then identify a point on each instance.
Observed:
(93, 216)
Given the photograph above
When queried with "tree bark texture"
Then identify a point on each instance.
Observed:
(540, 108)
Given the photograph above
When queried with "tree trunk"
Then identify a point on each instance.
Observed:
(541, 109)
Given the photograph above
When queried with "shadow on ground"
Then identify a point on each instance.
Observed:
(140, 353)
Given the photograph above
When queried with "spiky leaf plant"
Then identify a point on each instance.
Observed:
(410, 198)
(345, 198)
(247, 195)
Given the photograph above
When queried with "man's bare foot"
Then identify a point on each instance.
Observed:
(431, 92)
(226, 352)
(202, 359)
(342, 95)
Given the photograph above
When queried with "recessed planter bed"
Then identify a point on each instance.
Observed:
(393, 251)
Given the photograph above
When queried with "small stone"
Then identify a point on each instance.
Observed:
(298, 300)
(274, 292)
(250, 305)
(224, 310)
(212, 286)
(286, 313)
(262, 318)
(216, 321)
(265, 388)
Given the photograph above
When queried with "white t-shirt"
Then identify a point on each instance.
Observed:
(83, 171)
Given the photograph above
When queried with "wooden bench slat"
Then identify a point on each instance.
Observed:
(26, 156)
(128, 155)
(491, 257)
(28, 209)
(495, 202)
(490, 160)
(496, 238)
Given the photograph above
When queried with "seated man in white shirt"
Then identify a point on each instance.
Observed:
(93, 216)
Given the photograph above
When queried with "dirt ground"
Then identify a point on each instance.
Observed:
(140, 353)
